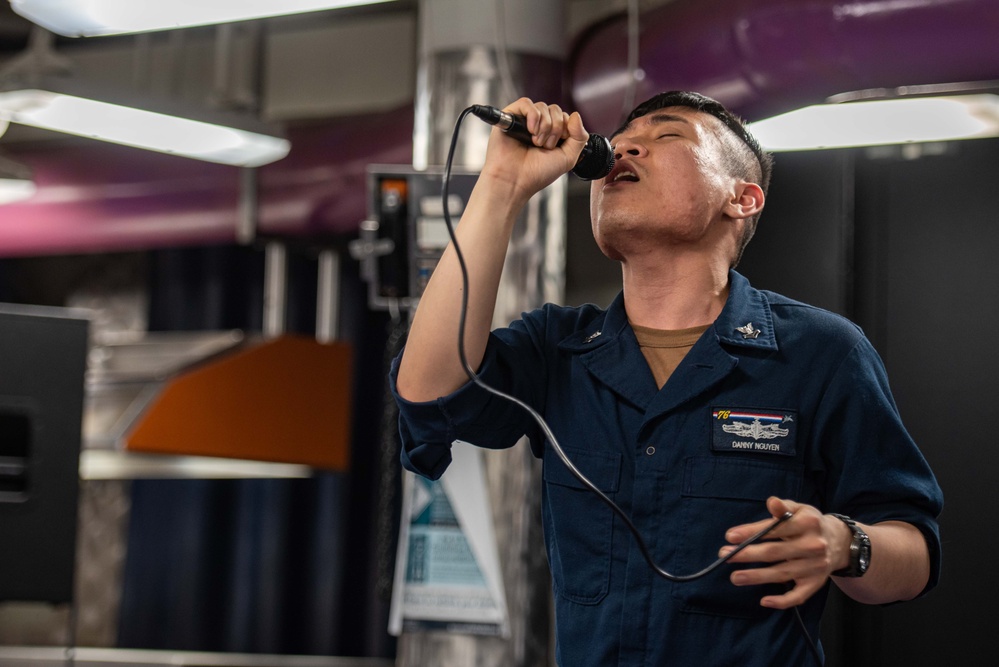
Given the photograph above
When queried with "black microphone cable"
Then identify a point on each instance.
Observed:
(474, 377)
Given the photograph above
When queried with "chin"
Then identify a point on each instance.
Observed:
(609, 241)
(610, 252)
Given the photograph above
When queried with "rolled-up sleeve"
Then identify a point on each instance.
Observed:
(513, 363)
(876, 472)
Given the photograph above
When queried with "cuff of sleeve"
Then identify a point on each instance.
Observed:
(427, 428)
(931, 533)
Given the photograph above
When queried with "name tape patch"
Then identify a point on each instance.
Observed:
(755, 431)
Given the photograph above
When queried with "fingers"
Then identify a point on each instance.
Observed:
(787, 562)
(808, 545)
(805, 518)
(793, 598)
(806, 569)
(797, 551)
(807, 579)
(778, 507)
(576, 129)
(512, 162)
(547, 123)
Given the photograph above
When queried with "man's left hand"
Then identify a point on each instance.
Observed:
(805, 550)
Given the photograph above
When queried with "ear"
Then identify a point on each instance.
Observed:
(746, 201)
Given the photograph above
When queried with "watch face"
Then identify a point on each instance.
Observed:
(864, 557)
(860, 550)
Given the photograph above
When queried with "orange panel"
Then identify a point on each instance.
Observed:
(285, 400)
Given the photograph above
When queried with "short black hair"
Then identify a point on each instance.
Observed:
(757, 170)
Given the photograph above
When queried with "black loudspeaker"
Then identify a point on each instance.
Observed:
(43, 354)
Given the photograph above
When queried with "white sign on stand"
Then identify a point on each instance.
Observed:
(447, 574)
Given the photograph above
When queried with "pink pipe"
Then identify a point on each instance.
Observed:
(761, 57)
(97, 197)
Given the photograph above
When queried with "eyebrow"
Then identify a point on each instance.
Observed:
(657, 118)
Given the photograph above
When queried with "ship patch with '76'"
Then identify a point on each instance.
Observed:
(753, 430)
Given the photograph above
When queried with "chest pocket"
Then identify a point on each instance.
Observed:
(578, 525)
(718, 493)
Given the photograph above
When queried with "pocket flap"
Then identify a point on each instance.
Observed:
(740, 479)
(601, 468)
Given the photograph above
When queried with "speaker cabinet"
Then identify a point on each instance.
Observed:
(43, 355)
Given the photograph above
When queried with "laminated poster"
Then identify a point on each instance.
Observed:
(447, 574)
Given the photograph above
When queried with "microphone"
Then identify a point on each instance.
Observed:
(596, 160)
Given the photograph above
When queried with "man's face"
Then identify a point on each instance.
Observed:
(668, 186)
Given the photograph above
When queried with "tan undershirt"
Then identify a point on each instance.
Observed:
(664, 349)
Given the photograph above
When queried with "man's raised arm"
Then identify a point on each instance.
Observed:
(512, 174)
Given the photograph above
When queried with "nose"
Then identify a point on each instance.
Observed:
(625, 146)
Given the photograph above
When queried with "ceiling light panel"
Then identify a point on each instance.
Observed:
(881, 122)
(140, 128)
(90, 18)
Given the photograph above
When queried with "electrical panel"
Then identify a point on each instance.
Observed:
(405, 234)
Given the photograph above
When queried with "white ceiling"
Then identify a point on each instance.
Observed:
(288, 69)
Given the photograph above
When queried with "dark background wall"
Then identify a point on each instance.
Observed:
(904, 243)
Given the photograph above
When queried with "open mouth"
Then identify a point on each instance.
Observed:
(625, 175)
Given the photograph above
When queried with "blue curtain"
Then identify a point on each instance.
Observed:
(270, 565)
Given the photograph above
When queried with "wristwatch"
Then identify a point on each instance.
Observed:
(860, 550)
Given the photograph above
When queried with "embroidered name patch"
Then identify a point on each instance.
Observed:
(755, 431)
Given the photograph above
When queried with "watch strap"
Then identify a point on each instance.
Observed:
(860, 549)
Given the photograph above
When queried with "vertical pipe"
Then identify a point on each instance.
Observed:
(222, 80)
(463, 61)
(488, 52)
(275, 288)
(328, 297)
(142, 62)
(176, 40)
(249, 205)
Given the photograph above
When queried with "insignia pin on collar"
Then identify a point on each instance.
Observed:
(748, 331)
(592, 336)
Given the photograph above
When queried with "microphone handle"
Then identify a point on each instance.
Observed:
(516, 127)
(595, 161)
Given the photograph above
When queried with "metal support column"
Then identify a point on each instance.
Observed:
(491, 52)
(328, 297)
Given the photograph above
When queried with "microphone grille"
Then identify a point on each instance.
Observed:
(596, 160)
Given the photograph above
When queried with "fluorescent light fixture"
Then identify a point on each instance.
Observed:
(16, 189)
(89, 18)
(113, 464)
(140, 128)
(16, 181)
(880, 122)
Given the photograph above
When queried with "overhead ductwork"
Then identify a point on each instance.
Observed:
(106, 198)
(762, 57)
(759, 57)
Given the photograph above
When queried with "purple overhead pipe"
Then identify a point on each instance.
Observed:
(762, 57)
(98, 197)
(759, 57)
